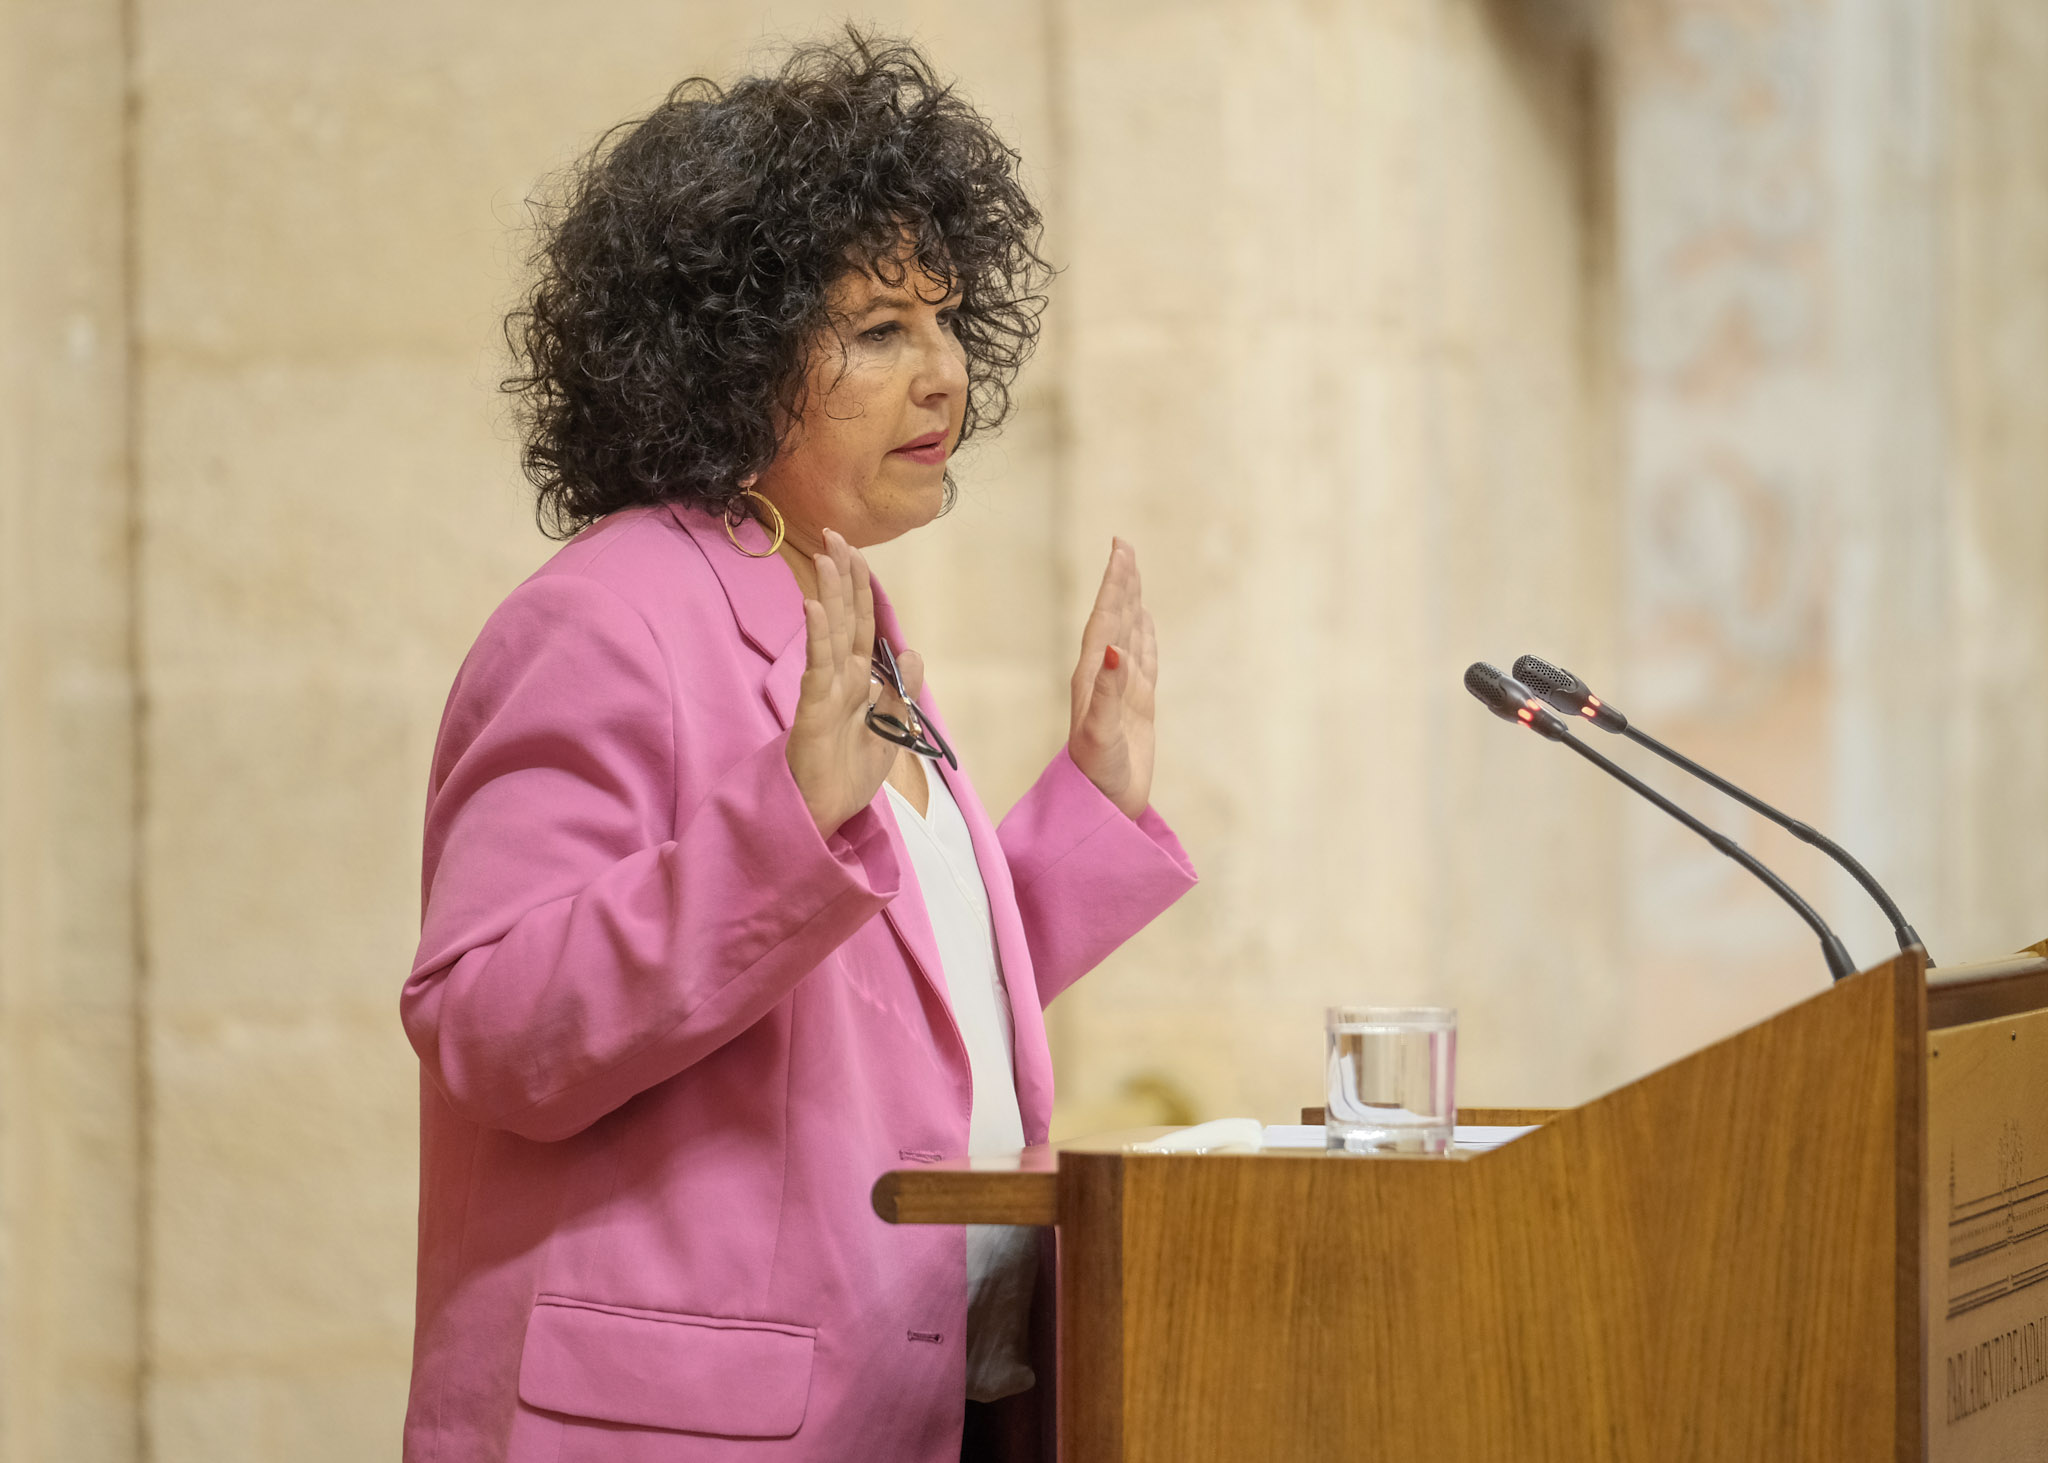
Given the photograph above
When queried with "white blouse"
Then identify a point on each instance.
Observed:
(1001, 1259)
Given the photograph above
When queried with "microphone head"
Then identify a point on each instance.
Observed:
(1567, 693)
(1495, 688)
(1510, 700)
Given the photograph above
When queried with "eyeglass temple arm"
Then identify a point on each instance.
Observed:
(919, 727)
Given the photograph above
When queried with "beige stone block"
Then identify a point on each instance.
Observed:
(73, 869)
(303, 516)
(217, 1419)
(347, 1410)
(68, 1120)
(1130, 1064)
(284, 840)
(322, 181)
(282, 1233)
(71, 1231)
(343, 1413)
(342, 180)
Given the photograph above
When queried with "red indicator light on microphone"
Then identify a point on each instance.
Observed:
(1525, 716)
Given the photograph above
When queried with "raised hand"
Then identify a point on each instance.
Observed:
(1110, 736)
(837, 762)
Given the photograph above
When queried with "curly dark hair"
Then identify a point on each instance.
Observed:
(684, 267)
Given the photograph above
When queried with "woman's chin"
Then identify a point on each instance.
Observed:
(907, 506)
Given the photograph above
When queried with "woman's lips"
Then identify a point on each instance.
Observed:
(929, 450)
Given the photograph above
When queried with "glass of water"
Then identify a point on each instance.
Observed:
(1392, 1079)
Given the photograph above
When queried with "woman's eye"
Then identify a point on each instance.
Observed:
(880, 332)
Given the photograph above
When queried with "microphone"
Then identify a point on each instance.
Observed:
(1510, 700)
(1573, 696)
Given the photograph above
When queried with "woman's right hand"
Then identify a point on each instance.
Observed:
(837, 762)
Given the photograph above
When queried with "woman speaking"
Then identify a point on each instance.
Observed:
(715, 929)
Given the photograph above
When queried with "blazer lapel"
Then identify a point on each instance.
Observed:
(1030, 1057)
(766, 605)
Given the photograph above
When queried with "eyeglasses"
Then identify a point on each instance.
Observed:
(917, 735)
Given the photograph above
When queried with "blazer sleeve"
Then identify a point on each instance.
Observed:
(581, 941)
(1087, 877)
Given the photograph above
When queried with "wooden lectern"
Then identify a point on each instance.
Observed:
(1823, 1238)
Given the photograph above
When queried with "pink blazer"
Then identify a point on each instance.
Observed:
(669, 1036)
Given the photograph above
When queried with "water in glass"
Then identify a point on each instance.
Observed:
(1391, 1079)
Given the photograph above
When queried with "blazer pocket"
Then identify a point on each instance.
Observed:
(700, 1374)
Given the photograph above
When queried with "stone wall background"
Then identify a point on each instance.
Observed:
(1693, 343)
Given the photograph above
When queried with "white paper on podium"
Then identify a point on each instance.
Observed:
(1293, 1135)
(1222, 1135)
(1476, 1136)
(1468, 1136)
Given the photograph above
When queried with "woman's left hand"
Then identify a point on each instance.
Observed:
(1110, 736)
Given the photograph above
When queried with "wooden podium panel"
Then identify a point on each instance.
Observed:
(1987, 1240)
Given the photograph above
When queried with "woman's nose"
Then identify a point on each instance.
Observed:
(943, 369)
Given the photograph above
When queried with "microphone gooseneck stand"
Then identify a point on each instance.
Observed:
(1510, 700)
(1573, 696)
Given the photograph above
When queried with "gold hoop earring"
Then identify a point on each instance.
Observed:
(731, 522)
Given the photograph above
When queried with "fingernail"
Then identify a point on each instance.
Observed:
(1111, 657)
